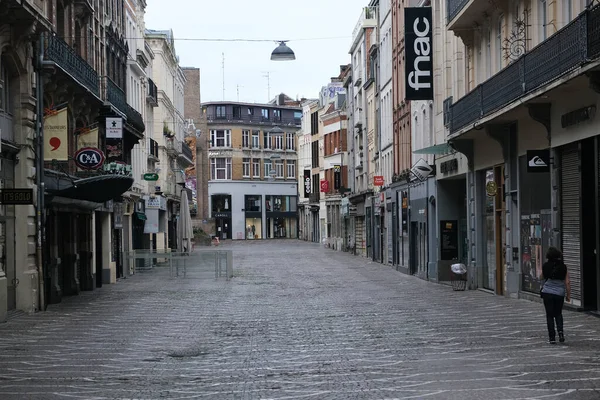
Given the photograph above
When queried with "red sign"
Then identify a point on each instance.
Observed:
(378, 180)
(324, 186)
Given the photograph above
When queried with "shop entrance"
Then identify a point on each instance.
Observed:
(494, 228)
(223, 226)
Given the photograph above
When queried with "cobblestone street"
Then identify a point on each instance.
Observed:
(296, 322)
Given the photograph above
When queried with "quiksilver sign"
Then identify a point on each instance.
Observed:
(419, 54)
(89, 158)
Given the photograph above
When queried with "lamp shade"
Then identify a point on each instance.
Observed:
(282, 53)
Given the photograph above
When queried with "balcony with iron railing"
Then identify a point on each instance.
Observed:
(152, 95)
(114, 94)
(573, 46)
(253, 119)
(134, 118)
(67, 59)
(153, 150)
(186, 152)
(173, 146)
(367, 19)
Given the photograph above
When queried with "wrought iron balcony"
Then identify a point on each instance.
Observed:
(115, 95)
(59, 52)
(152, 95)
(187, 152)
(576, 44)
(134, 118)
(252, 119)
(173, 146)
(314, 197)
(153, 150)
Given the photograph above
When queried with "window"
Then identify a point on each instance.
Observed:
(220, 168)
(543, 18)
(488, 53)
(266, 140)
(255, 139)
(279, 169)
(568, 11)
(265, 114)
(499, 39)
(297, 117)
(253, 203)
(245, 138)
(289, 141)
(220, 138)
(221, 112)
(256, 168)
(267, 168)
(246, 168)
(237, 112)
(277, 115)
(291, 169)
(250, 111)
(4, 88)
(278, 142)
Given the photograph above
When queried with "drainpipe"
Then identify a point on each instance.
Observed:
(39, 148)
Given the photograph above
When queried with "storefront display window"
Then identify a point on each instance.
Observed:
(281, 204)
(253, 203)
(536, 224)
(253, 228)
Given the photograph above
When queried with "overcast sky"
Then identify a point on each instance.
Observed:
(246, 63)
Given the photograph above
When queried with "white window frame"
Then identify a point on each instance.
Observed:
(246, 138)
(215, 168)
(291, 169)
(256, 139)
(278, 142)
(256, 168)
(543, 19)
(267, 167)
(246, 168)
(279, 169)
(289, 141)
(222, 142)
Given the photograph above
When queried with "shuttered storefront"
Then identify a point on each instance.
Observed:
(571, 216)
(389, 230)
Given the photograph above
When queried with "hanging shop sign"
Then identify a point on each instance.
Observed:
(16, 196)
(419, 63)
(324, 184)
(538, 161)
(89, 158)
(87, 138)
(150, 176)
(378, 180)
(114, 128)
(307, 183)
(491, 188)
(422, 169)
(337, 177)
(56, 143)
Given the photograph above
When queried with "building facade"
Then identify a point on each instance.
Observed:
(522, 113)
(169, 133)
(253, 191)
(356, 107)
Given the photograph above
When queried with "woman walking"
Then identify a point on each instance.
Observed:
(555, 287)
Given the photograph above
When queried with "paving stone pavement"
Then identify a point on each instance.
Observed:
(297, 321)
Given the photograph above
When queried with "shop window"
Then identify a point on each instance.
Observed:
(253, 203)
(536, 224)
(253, 228)
(221, 203)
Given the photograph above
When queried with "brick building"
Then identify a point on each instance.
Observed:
(252, 189)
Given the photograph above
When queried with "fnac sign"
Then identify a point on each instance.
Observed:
(89, 158)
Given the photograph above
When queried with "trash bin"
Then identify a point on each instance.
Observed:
(458, 276)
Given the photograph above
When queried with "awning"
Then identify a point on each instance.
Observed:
(97, 189)
(140, 216)
(438, 150)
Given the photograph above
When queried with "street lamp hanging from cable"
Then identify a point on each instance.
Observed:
(282, 53)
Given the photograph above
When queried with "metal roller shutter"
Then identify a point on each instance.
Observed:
(359, 234)
(390, 237)
(571, 217)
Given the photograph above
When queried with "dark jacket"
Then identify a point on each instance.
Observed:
(554, 269)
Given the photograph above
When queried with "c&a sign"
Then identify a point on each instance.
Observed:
(89, 158)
